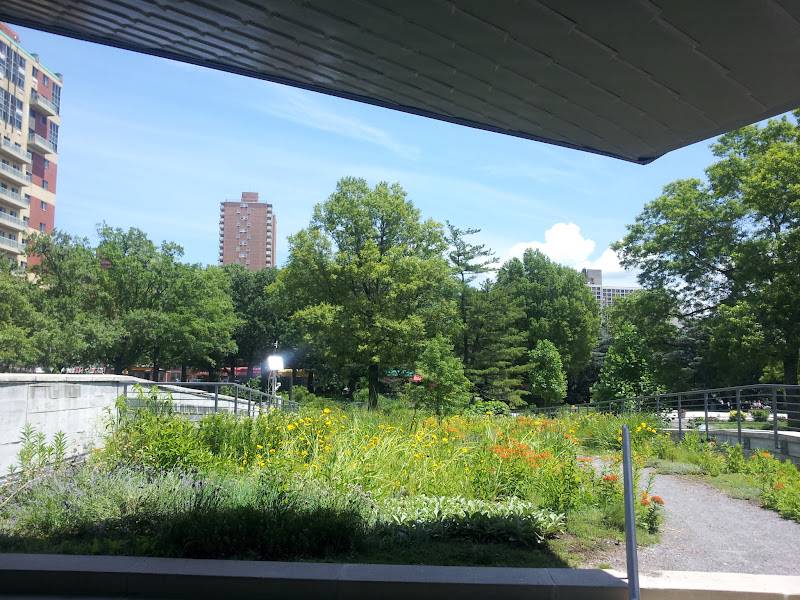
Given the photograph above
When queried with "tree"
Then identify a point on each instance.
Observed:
(19, 319)
(468, 261)
(558, 306)
(626, 371)
(444, 385)
(548, 383)
(369, 280)
(498, 353)
(733, 238)
(260, 323)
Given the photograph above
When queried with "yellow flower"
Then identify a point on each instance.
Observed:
(291, 426)
(272, 450)
(326, 411)
(259, 447)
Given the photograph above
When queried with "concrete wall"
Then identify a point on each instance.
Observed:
(754, 440)
(79, 406)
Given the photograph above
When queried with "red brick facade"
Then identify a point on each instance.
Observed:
(247, 233)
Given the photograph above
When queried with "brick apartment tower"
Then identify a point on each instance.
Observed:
(247, 232)
(30, 99)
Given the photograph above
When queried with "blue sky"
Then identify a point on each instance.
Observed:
(156, 144)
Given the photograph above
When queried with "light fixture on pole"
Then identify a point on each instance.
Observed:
(274, 364)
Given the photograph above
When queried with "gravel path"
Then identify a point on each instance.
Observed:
(705, 530)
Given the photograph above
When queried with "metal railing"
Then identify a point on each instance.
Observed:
(38, 140)
(4, 216)
(15, 172)
(12, 245)
(37, 98)
(16, 150)
(628, 481)
(15, 197)
(199, 398)
(738, 413)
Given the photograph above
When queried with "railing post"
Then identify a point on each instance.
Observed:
(235, 399)
(705, 410)
(680, 421)
(739, 415)
(658, 403)
(216, 398)
(249, 401)
(630, 516)
(775, 419)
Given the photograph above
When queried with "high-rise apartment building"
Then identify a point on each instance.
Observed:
(30, 103)
(247, 232)
(605, 295)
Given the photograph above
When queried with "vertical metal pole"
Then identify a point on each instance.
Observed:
(680, 421)
(775, 419)
(235, 398)
(630, 516)
(216, 398)
(705, 410)
(739, 415)
(249, 401)
(658, 403)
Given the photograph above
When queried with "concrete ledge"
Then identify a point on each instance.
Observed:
(142, 577)
(69, 378)
(695, 585)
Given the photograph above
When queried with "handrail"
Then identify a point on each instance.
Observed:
(15, 171)
(37, 97)
(17, 150)
(631, 552)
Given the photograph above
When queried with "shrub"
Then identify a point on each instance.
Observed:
(737, 415)
(487, 407)
(760, 415)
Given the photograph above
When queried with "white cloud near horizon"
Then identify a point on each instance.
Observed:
(565, 244)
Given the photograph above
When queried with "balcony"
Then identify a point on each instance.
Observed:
(14, 174)
(11, 245)
(40, 144)
(46, 106)
(6, 220)
(15, 198)
(14, 152)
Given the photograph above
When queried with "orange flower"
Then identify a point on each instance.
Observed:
(645, 500)
(657, 500)
(779, 485)
(611, 477)
(584, 459)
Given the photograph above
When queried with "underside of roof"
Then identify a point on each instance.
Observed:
(632, 79)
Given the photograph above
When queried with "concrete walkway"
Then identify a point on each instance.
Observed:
(706, 530)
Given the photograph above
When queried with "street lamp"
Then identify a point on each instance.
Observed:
(274, 364)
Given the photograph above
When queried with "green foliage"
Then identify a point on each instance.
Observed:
(487, 407)
(760, 415)
(548, 383)
(558, 306)
(626, 371)
(368, 280)
(444, 387)
(732, 239)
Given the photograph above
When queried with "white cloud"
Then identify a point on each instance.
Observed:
(299, 106)
(565, 244)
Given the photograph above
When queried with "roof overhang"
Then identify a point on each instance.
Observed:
(632, 79)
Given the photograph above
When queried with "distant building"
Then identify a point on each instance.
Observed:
(605, 296)
(247, 232)
(30, 106)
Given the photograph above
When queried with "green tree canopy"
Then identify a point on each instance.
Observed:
(548, 382)
(626, 371)
(558, 306)
(369, 280)
(444, 386)
(733, 238)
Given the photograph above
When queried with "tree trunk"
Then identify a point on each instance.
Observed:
(372, 376)
(118, 367)
(310, 380)
(291, 383)
(790, 378)
(464, 319)
(155, 365)
(184, 370)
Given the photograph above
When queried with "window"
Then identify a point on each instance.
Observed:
(42, 227)
(12, 65)
(42, 205)
(46, 164)
(44, 120)
(23, 264)
(45, 80)
(57, 97)
(35, 73)
(10, 109)
(53, 137)
(242, 254)
(44, 183)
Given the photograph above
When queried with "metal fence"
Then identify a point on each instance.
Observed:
(737, 414)
(199, 398)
